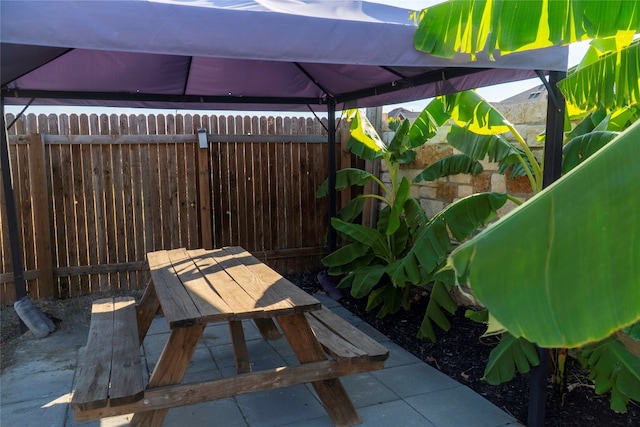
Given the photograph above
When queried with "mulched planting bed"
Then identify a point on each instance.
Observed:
(462, 354)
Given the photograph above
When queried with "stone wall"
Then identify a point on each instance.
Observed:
(529, 120)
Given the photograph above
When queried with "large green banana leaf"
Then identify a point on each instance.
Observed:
(612, 81)
(473, 26)
(573, 275)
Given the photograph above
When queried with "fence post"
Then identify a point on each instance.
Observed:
(204, 191)
(41, 224)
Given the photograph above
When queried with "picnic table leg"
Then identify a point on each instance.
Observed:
(170, 369)
(147, 309)
(334, 397)
(240, 352)
(267, 328)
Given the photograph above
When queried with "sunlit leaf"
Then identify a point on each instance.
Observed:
(472, 27)
(365, 141)
(473, 112)
(610, 82)
(494, 148)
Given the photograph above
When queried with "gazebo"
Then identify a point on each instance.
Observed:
(239, 55)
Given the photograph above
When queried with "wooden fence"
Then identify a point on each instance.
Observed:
(95, 193)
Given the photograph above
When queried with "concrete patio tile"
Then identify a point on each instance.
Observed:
(347, 315)
(398, 356)
(316, 422)
(216, 334)
(279, 407)
(373, 333)
(119, 421)
(50, 412)
(326, 301)
(282, 347)
(159, 325)
(396, 413)
(223, 412)
(366, 390)
(251, 331)
(153, 344)
(412, 380)
(459, 406)
(35, 380)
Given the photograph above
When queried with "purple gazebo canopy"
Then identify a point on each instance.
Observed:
(232, 54)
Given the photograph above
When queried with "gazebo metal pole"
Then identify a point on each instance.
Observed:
(331, 179)
(12, 215)
(552, 171)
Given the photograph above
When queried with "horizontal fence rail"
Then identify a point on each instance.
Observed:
(95, 193)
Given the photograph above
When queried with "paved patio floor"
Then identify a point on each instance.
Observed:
(406, 393)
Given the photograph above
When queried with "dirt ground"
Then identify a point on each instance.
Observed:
(72, 314)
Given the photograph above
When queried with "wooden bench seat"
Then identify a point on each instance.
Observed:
(111, 371)
(344, 342)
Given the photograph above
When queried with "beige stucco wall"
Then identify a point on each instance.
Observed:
(529, 120)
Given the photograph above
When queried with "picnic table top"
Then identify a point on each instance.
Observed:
(204, 286)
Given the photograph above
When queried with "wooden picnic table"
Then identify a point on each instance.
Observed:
(193, 288)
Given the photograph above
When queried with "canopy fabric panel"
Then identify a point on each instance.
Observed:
(232, 54)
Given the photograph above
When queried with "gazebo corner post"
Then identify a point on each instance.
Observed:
(30, 316)
(552, 171)
(12, 214)
(331, 179)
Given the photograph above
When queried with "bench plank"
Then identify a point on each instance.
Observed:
(111, 371)
(342, 351)
(126, 368)
(328, 323)
(92, 387)
(177, 305)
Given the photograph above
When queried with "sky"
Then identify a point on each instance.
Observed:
(492, 93)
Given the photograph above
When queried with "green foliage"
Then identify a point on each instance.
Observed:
(582, 147)
(452, 165)
(571, 296)
(610, 82)
(440, 299)
(511, 26)
(404, 249)
(509, 355)
(613, 368)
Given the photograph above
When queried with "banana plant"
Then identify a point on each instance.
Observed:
(478, 130)
(607, 80)
(405, 250)
(580, 285)
(486, 27)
